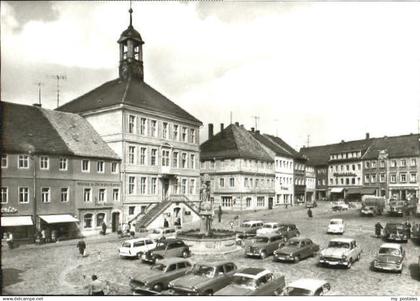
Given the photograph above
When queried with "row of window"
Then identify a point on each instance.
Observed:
(346, 167)
(213, 164)
(24, 197)
(150, 185)
(284, 164)
(321, 182)
(299, 166)
(150, 127)
(372, 178)
(284, 180)
(345, 181)
(143, 156)
(89, 220)
(228, 201)
(63, 163)
(346, 155)
(248, 182)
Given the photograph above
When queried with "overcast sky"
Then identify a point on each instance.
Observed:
(333, 71)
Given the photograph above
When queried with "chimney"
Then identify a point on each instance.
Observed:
(222, 127)
(210, 130)
(342, 141)
(237, 123)
(252, 129)
(37, 105)
(367, 136)
(242, 126)
(257, 131)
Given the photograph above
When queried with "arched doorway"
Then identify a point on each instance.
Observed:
(115, 221)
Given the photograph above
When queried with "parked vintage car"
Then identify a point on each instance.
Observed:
(163, 233)
(307, 287)
(205, 279)
(254, 282)
(336, 226)
(296, 249)
(339, 206)
(264, 245)
(341, 251)
(248, 229)
(167, 248)
(136, 247)
(415, 232)
(389, 258)
(158, 277)
(268, 228)
(288, 230)
(396, 232)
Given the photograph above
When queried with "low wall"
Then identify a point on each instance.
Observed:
(203, 246)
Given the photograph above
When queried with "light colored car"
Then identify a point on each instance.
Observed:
(136, 247)
(307, 287)
(341, 251)
(340, 206)
(296, 249)
(268, 228)
(248, 229)
(336, 226)
(390, 258)
(160, 233)
(254, 282)
(264, 245)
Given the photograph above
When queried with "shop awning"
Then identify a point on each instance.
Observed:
(55, 219)
(354, 191)
(337, 190)
(12, 221)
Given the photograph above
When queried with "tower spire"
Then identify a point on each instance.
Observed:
(131, 17)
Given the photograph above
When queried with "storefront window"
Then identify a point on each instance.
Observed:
(100, 217)
(87, 221)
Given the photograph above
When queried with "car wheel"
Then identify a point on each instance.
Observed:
(296, 258)
(350, 263)
(208, 293)
(158, 287)
(139, 254)
(263, 254)
(185, 254)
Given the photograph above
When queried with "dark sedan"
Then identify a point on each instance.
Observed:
(296, 249)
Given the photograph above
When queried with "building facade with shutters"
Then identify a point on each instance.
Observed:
(49, 161)
(157, 140)
(241, 172)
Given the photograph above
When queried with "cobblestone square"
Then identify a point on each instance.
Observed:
(56, 269)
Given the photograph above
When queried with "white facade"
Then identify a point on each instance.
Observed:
(284, 186)
(160, 155)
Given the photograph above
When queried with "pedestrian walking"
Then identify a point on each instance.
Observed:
(81, 245)
(103, 228)
(219, 214)
(43, 236)
(231, 224)
(54, 235)
(309, 213)
(10, 240)
(408, 227)
(378, 229)
(96, 287)
(132, 230)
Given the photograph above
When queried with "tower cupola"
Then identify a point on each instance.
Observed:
(131, 53)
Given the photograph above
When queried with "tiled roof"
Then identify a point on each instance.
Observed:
(232, 143)
(287, 147)
(267, 142)
(130, 92)
(29, 128)
(79, 135)
(398, 146)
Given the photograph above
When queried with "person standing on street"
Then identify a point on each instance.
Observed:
(219, 214)
(81, 245)
(378, 229)
(43, 236)
(96, 287)
(309, 213)
(132, 230)
(10, 240)
(408, 227)
(103, 228)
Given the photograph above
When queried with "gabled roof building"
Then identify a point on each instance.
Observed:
(157, 140)
(240, 170)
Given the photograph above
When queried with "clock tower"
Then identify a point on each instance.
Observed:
(131, 53)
